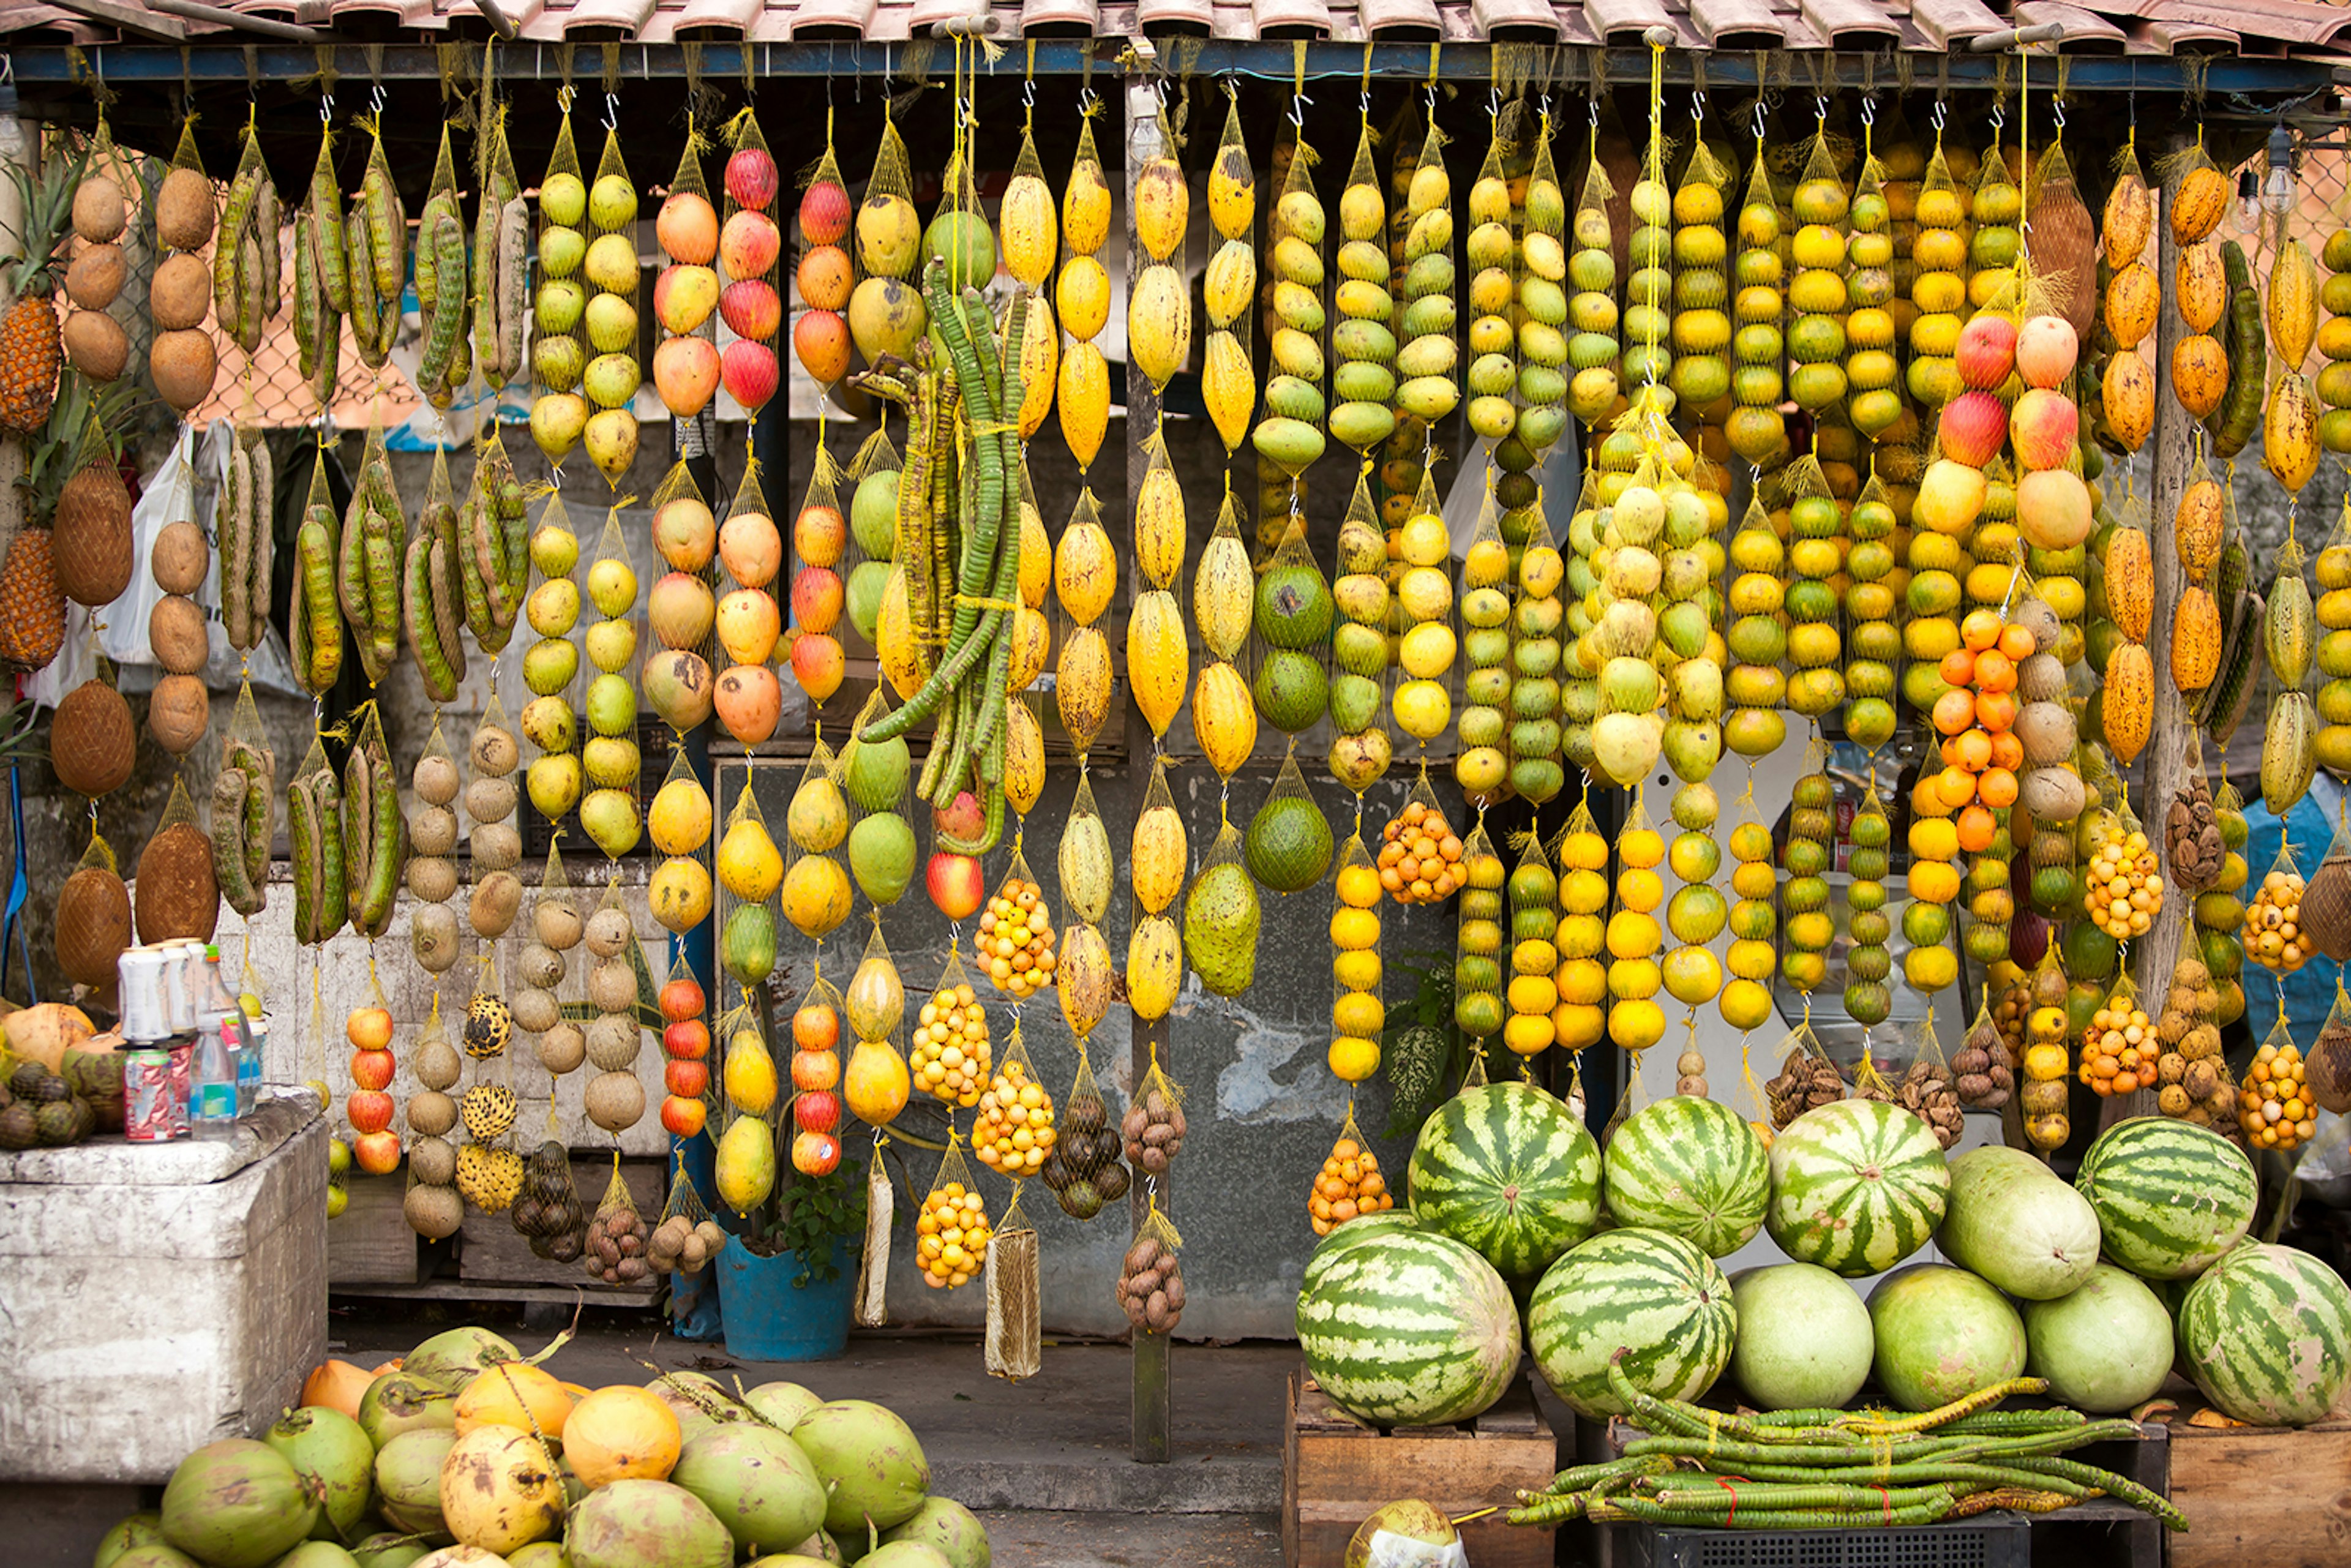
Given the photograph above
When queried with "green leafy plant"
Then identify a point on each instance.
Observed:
(1423, 1048)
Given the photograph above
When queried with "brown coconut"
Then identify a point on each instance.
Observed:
(95, 277)
(93, 740)
(180, 294)
(2325, 909)
(176, 894)
(2066, 253)
(176, 629)
(183, 210)
(2327, 1068)
(433, 1212)
(183, 364)
(177, 713)
(180, 557)
(96, 345)
(89, 542)
(615, 1101)
(98, 213)
(93, 926)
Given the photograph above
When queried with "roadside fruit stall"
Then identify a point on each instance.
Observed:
(1223, 549)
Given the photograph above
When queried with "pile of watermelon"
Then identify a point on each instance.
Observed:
(1414, 1317)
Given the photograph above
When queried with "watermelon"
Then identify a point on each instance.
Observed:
(2266, 1333)
(1692, 1167)
(1509, 1170)
(2104, 1348)
(1857, 1186)
(2170, 1196)
(1805, 1338)
(1405, 1329)
(2018, 1225)
(1387, 1222)
(1942, 1333)
(1654, 1295)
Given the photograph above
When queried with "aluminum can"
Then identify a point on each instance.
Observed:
(147, 1115)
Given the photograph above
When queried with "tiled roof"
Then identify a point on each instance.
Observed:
(2133, 27)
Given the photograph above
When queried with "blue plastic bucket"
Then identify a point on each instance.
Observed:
(768, 1318)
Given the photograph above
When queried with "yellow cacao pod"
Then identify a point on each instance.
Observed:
(1083, 976)
(2199, 286)
(1025, 229)
(2130, 582)
(2197, 207)
(2195, 641)
(2289, 624)
(1082, 687)
(2133, 298)
(2292, 303)
(1161, 857)
(1041, 361)
(2290, 432)
(1228, 386)
(1232, 192)
(1089, 872)
(1024, 756)
(895, 642)
(2127, 222)
(2289, 752)
(1083, 397)
(1032, 644)
(2200, 374)
(1085, 570)
(1158, 660)
(2196, 528)
(1224, 595)
(1229, 284)
(1036, 557)
(1155, 967)
(1224, 716)
(1085, 208)
(1081, 296)
(1159, 324)
(2127, 706)
(2127, 399)
(1159, 526)
(1163, 206)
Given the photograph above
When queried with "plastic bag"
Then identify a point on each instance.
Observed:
(950, 1057)
(549, 1214)
(1926, 1088)
(1153, 1126)
(687, 1239)
(1151, 1279)
(1013, 1346)
(1984, 1071)
(952, 1232)
(871, 1308)
(2273, 937)
(2275, 1109)
(1014, 1135)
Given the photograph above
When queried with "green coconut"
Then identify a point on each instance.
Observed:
(452, 1359)
(237, 1504)
(699, 1402)
(906, 1554)
(647, 1524)
(317, 1555)
(538, 1554)
(782, 1404)
(408, 1481)
(331, 1451)
(401, 1402)
(145, 1528)
(155, 1554)
(390, 1548)
(871, 1465)
(946, 1524)
(756, 1480)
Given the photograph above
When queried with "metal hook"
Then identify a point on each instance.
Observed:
(2057, 107)
(1868, 113)
(1493, 102)
(1087, 99)
(1298, 102)
(611, 111)
(1999, 113)
(375, 100)
(1364, 101)
(326, 108)
(1429, 95)
(1697, 107)
(1820, 106)
(1759, 116)
(1942, 112)
(1028, 93)
(1595, 113)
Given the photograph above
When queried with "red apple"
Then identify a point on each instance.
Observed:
(816, 1026)
(816, 1069)
(368, 1029)
(954, 884)
(2044, 427)
(687, 1040)
(369, 1111)
(817, 1109)
(751, 178)
(376, 1152)
(815, 1154)
(686, 1079)
(372, 1069)
(681, 998)
(748, 371)
(750, 310)
(2046, 349)
(1973, 426)
(688, 228)
(684, 297)
(750, 244)
(961, 818)
(1986, 353)
(824, 214)
(682, 1118)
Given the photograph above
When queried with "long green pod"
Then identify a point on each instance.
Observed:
(2052, 1471)
(1981, 1400)
(983, 518)
(363, 308)
(236, 211)
(477, 591)
(307, 297)
(260, 816)
(934, 760)
(416, 615)
(443, 601)
(383, 601)
(1724, 1495)
(357, 814)
(334, 903)
(261, 505)
(227, 837)
(350, 562)
(445, 317)
(321, 623)
(387, 843)
(387, 226)
(228, 535)
(304, 848)
(327, 231)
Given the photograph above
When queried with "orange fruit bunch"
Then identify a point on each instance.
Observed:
(1976, 719)
(1420, 857)
(1348, 1186)
(2274, 1110)
(2120, 1050)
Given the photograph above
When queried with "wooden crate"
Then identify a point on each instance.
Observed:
(1335, 1469)
(2273, 1495)
(370, 1242)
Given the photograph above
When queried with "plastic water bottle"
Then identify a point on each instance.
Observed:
(244, 1033)
(212, 1097)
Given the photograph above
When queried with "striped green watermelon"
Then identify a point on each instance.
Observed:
(1509, 1170)
(1692, 1167)
(2266, 1333)
(1857, 1186)
(2171, 1197)
(1644, 1292)
(1388, 1222)
(1405, 1328)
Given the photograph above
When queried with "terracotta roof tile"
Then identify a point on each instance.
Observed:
(2086, 33)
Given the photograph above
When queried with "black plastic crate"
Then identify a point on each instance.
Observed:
(1987, 1541)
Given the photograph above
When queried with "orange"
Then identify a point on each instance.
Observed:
(1974, 751)
(2016, 641)
(1958, 668)
(1977, 827)
(1981, 630)
(1954, 711)
(1957, 787)
(1997, 787)
(1994, 672)
(2007, 751)
(1996, 711)
(1934, 881)
(1926, 799)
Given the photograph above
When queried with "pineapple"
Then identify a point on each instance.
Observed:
(29, 351)
(32, 600)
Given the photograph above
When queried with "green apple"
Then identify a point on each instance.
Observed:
(611, 324)
(553, 781)
(549, 665)
(557, 361)
(612, 705)
(611, 202)
(613, 380)
(613, 586)
(611, 761)
(550, 723)
(563, 199)
(554, 550)
(560, 251)
(612, 263)
(552, 610)
(557, 417)
(611, 644)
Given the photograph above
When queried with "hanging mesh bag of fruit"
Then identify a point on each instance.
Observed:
(615, 1242)
(1349, 1184)
(1150, 1289)
(952, 1231)
(1013, 1344)
(686, 1240)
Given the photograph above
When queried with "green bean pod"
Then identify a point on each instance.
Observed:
(314, 570)
(228, 836)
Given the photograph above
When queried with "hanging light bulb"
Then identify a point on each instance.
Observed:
(2248, 211)
(2277, 186)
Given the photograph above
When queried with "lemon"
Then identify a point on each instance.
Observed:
(1581, 982)
(1354, 929)
(1636, 1024)
(1745, 1003)
(1528, 1035)
(1752, 959)
(1533, 994)
(1357, 971)
(1353, 1059)
(1357, 1013)
(1421, 709)
(1576, 1025)
(1931, 968)
(1579, 935)
(1631, 933)
(1425, 540)
(1426, 650)
(1692, 974)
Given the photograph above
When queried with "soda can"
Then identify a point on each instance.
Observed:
(180, 995)
(146, 1011)
(184, 1062)
(147, 1096)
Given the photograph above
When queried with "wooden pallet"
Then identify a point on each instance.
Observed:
(2273, 1495)
(1335, 1469)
